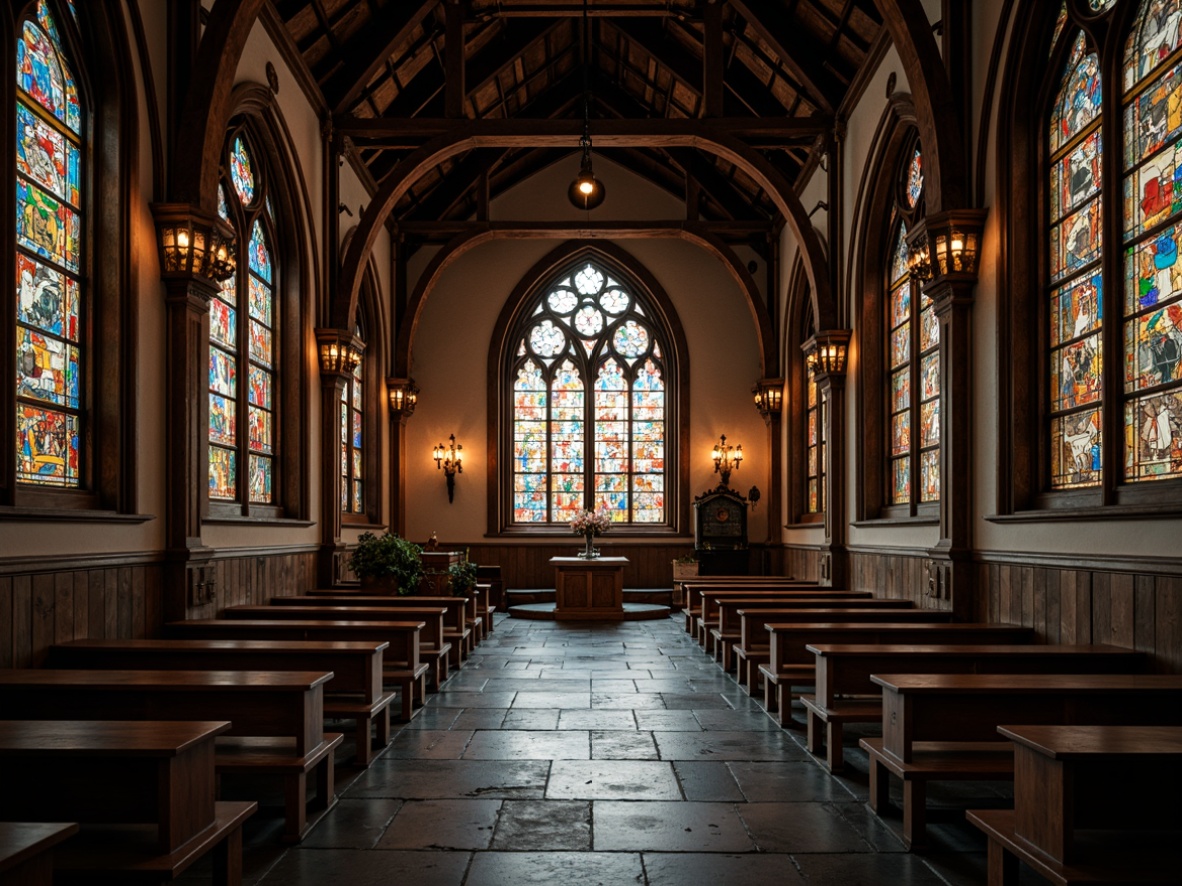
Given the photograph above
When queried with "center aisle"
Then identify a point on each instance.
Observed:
(597, 753)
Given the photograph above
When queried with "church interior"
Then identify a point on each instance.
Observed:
(665, 461)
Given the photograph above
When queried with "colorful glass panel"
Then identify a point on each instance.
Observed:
(901, 481)
(46, 368)
(223, 473)
(901, 345)
(929, 423)
(1153, 346)
(588, 281)
(259, 256)
(1075, 374)
(1153, 191)
(47, 447)
(259, 393)
(901, 304)
(222, 372)
(1060, 24)
(223, 323)
(1076, 449)
(42, 75)
(47, 226)
(1079, 99)
(1101, 5)
(1154, 117)
(631, 339)
(588, 321)
(929, 476)
(45, 155)
(260, 430)
(914, 179)
(615, 301)
(899, 256)
(1076, 176)
(261, 471)
(1152, 39)
(1076, 241)
(223, 419)
(260, 343)
(547, 340)
(562, 300)
(929, 324)
(46, 298)
(260, 301)
(1075, 308)
(900, 391)
(1154, 424)
(241, 172)
(929, 374)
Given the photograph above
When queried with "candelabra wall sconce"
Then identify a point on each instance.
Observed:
(448, 460)
(727, 458)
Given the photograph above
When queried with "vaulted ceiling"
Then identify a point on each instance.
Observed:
(376, 60)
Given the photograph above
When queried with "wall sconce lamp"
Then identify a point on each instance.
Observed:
(340, 351)
(193, 243)
(826, 352)
(404, 396)
(769, 396)
(727, 458)
(945, 245)
(450, 462)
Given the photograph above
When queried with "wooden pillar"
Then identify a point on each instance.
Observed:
(404, 397)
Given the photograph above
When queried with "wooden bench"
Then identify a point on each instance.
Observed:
(695, 610)
(844, 670)
(284, 708)
(485, 607)
(26, 851)
(780, 675)
(1081, 811)
(354, 693)
(401, 666)
(455, 623)
(928, 717)
(150, 784)
(727, 629)
(433, 648)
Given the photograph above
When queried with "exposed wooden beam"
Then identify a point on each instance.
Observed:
(712, 60)
(731, 231)
(370, 49)
(807, 65)
(453, 54)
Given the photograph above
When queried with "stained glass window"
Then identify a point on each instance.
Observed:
(352, 443)
(242, 324)
(50, 291)
(590, 404)
(814, 447)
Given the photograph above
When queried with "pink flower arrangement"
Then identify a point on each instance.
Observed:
(591, 523)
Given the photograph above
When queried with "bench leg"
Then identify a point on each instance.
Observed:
(420, 691)
(783, 703)
(383, 722)
(227, 860)
(295, 797)
(880, 787)
(834, 752)
(407, 696)
(812, 735)
(364, 743)
(750, 676)
(914, 812)
(724, 649)
(1003, 867)
(769, 696)
(326, 781)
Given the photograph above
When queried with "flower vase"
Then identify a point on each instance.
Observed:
(589, 552)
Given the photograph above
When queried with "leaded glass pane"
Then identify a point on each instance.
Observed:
(261, 475)
(260, 429)
(929, 476)
(222, 373)
(1155, 451)
(547, 340)
(929, 423)
(1153, 118)
(1075, 374)
(614, 301)
(1060, 24)
(588, 281)
(1075, 308)
(1153, 191)
(260, 343)
(45, 155)
(259, 256)
(42, 75)
(1080, 96)
(914, 179)
(46, 368)
(223, 323)
(241, 172)
(901, 345)
(1076, 241)
(631, 339)
(901, 481)
(588, 321)
(223, 473)
(1076, 449)
(223, 422)
(260, 387)
(46, 298)
(1076, 176)
(899, 256)
(47, 226)
(47, 445)
(1152, 39)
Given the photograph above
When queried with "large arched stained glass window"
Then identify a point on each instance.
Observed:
(591, 397)
(913, 363)
(51, 317)
(242, 359)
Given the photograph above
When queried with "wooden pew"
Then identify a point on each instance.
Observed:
(943, 727)
(401, 665)
(695, 596)
(26, 851)
(277, 718)
(780, 676)
(354, 692)
(455, 623)
(345, 595)
(485, 607)
(433, 647)
(1081, 811)
(845, 670)
(726, 628)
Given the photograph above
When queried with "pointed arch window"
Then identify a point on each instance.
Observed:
(353, 443)
(243, 379)
(52, 310)
(591, 388)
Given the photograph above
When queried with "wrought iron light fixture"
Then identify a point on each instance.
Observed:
(586, 191)
(404, 396)
(769, 396)
(340, 351)
(826, 352)
(448, 460)
(727, 458)
(193, 243)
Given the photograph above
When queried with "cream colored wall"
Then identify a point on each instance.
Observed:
(451, 348)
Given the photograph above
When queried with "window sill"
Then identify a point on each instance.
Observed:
(69, 515)
(896, 521)
(1089, 514)
(806, 524)
(363, 525)
(258, 521)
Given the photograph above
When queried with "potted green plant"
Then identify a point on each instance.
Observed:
(461, 578)
(387, 564)
(685, 567)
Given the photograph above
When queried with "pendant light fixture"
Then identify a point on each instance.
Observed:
(586, 191)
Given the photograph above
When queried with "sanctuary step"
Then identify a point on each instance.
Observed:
(652, 596)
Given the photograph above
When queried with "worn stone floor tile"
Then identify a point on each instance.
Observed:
(786, 782)
(727, 746)
(526, 745)
(800, 827)
(434, 717)
(667, 721)
(694, 701)
(536, 684)
(622, 745)
(669, 827)
(879, 834)
(553, 700)
(315, 867)
(443, 779)
(550, 868)
(614, 685)
(526, 718)
(597, 719)
(868, 868)
(612, 780)
(442, 824)
(353, 824)
(717, 869)
(736, 721)
(544, 826)
(428, 744)
(627, 700)
(467, 699)
(707, 782)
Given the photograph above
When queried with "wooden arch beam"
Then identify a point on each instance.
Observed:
(623, 133)
(461, 244)
(938, 116)
(208, 103)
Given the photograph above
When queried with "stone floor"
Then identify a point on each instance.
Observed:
(613, 754)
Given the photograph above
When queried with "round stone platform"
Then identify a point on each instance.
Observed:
(632, 612)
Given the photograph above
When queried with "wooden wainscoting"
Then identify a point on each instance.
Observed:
(252, 577)
(802, 562)
(894, 573)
